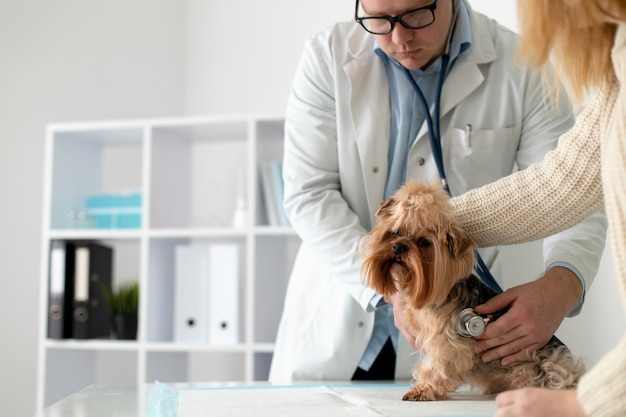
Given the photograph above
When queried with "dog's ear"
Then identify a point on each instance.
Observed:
(385, 207)
(458, 242)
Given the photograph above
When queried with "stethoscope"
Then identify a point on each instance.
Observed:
(434, 128)
(470, 323)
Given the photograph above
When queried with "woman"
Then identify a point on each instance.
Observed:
(587, 39)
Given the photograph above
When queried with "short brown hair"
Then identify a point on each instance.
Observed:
(577, 35)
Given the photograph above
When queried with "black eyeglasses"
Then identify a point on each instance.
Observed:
(383, 25)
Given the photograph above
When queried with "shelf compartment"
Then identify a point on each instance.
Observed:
(124, 268)
(78, 368)
(89, 162)
(270, 287)
(195, 366)
(161, 283)
(194, 181)
(262, 364)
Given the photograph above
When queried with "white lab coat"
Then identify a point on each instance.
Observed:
(335, 168)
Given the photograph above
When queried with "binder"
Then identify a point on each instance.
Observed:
(191, 294)
(61, 289)
(92, 278)
(224, 305)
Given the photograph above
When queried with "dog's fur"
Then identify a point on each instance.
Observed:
(417, 249)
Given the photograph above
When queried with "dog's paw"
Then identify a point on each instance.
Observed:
(418, 393)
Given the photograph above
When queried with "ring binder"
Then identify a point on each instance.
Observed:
(93, 267)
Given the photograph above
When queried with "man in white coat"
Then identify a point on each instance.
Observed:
(357, 127)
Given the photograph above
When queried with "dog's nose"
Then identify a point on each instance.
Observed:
(399, 249)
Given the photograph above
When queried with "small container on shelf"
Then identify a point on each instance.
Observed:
(114, 210)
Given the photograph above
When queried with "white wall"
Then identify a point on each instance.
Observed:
(251, 55)
(61, 61)
(504, 11)
(74, 60)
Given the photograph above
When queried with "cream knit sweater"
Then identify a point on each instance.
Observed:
(587, 169)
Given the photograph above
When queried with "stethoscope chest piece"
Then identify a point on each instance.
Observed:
(471, 324)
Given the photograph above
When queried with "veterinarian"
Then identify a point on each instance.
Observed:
(356, 128)
(585, 173)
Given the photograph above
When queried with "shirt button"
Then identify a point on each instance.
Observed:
(419, 116)
(421, 161)
(375, 170)
(360, 324)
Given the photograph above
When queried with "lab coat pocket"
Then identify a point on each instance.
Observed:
(478, 157)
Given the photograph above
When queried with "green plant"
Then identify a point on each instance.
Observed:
(125, 300)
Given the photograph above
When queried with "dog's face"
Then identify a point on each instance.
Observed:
(416, 247)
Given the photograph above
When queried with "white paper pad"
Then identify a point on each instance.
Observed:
(363, 400)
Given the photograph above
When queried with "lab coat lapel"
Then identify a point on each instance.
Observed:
(464, 78)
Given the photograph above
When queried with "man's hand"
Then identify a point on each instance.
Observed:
(536, 310)
(399, 319)
(398, 303)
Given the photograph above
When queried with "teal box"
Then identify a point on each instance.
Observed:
(129, 221)
(114, 210)
(102, 221)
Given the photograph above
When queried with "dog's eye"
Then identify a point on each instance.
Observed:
(423, 242)
(396, 233)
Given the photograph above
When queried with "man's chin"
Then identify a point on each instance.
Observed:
(414, 60)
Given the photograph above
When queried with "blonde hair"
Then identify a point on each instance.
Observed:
(577, 35)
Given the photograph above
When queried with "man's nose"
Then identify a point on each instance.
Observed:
(400, 34)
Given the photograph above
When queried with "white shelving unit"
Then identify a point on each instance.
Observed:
(190, 172)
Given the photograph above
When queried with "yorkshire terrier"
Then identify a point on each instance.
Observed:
(417, 249)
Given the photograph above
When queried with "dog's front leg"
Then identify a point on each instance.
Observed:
(431, 383)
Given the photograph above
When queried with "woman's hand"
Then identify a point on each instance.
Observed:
(536, 402)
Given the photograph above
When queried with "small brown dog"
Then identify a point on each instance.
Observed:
(417, 249)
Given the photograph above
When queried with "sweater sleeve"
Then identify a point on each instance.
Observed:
(602, 391)
(547, 197)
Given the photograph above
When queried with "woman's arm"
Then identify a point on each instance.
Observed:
(547, 197)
